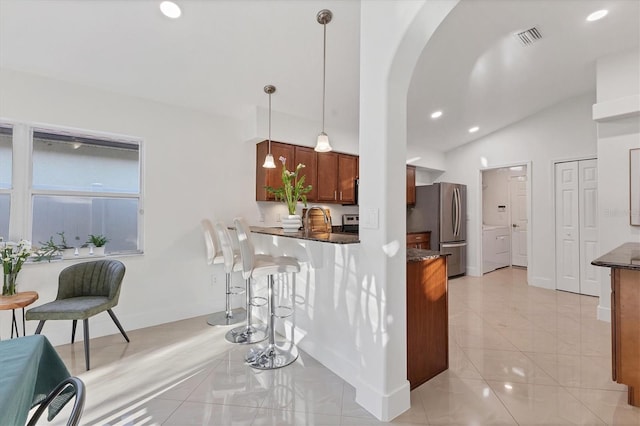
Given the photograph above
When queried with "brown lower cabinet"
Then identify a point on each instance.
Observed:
(419, 240)
(625, 330)
(427, 320)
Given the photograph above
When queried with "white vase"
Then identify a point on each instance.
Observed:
(98, 251)
(291, 223)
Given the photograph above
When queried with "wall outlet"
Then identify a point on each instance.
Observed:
(214, 280)
(278, 217)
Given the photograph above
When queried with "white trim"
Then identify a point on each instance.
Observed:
(604, 313)
(528, 174)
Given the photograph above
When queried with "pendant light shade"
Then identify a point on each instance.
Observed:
(268, 160)
(324, 17)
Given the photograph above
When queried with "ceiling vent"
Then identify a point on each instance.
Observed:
(528, 37)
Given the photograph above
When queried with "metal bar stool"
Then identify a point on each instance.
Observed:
(273, 355)
(249, 333)
(214, 257)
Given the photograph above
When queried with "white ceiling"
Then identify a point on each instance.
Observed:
(478, 73)
(218, 56)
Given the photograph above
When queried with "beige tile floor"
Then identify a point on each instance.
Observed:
(518, 355)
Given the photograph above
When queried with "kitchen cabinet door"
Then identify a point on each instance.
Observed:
(427, 320)
(308, 157)
(271, 177)
(411, 185)
(419, 240)
(347, 175)
(327, 177)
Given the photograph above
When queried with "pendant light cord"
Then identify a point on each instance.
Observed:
(324, 72)
(269, 123)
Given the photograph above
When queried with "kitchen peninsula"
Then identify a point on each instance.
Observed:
(334, 312)
(624, 262)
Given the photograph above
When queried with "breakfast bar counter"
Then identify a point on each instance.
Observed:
(323, 237)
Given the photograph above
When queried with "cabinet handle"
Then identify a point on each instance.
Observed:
(335, 195)
(340, 195)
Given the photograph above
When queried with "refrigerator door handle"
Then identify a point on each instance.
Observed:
(456, 200)
(449, 245)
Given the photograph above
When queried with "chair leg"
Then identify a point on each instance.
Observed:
(40, 325)
(113, 317)
(73, 331)
(85, 326)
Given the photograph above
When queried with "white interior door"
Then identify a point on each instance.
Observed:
(588, 186)
(518, 204)
(567, 227)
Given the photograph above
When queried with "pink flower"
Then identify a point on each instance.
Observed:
(282, 160)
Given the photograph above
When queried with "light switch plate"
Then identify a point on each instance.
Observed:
(369, 218)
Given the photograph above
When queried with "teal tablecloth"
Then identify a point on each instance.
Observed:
(29, 369)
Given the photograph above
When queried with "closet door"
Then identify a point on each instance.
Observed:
(567, 227)
(588, 198)
(577, 226)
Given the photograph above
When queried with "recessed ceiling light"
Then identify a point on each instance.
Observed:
(474, 129)
(436, 114)
(599, 14)
(170, 9)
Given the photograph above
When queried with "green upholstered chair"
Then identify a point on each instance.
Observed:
(84, 290)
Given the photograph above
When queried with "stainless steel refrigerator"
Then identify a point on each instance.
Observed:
(442, 209)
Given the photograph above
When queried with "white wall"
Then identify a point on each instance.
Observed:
(617, 78)
(563, 131)
(196, 166)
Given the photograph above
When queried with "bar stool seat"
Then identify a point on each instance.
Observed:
(215, 257)
(272, 355)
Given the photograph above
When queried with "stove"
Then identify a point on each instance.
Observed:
(350, 223)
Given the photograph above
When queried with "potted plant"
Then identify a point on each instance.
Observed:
(67, 251)
(47, 251)
(98, 242)
(292, 191)
(13, 256)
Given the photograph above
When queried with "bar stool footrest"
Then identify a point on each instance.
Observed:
(235, 290)
(287, 311)
(258, 301)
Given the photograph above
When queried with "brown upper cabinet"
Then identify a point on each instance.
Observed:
(272, 177)
(411, 185)
(337, 174)
(332, 175)
(308, 157)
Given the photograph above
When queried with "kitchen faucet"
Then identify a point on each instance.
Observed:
(307, 217)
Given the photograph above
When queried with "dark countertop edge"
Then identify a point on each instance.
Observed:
(418, 232)
(626, 256)
(323, 237)
(418, 255)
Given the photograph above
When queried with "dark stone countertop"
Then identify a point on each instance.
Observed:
(418, 255)
(418, 232)
(323, 237)
(627, 256)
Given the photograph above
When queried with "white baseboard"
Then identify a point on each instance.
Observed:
(543, 282)
(385, 407)
(604, 313)
(474, 271)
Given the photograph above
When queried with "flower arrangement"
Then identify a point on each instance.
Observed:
(293, 189)
(13, 257)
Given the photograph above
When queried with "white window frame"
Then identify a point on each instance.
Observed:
(22, 192)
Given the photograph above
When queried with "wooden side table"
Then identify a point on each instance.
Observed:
(18, 300)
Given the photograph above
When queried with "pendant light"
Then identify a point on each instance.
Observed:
(268, 160)
(324, 17)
